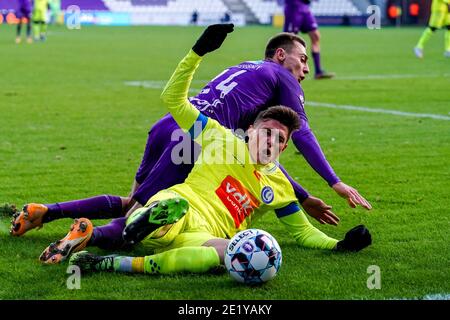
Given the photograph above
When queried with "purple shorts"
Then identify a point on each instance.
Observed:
(23, 13)
(299, 21)
(157, 170)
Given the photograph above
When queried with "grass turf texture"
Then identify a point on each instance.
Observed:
(71, 129)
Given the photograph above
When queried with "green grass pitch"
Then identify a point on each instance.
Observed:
(70, 128)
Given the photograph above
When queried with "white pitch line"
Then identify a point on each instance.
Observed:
(377, 110)
(159, 84)
(391, 76)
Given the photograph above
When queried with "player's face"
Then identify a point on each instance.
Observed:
(267, 139)
(295, 61)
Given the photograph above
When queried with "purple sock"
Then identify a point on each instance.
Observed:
(101, 207)
(316, 58)
(109, 236)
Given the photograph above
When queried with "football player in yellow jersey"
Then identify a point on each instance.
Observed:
(440, 18)
(39, 17)
(188, 225)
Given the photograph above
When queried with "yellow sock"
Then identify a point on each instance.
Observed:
(185, 259)
(426, 35)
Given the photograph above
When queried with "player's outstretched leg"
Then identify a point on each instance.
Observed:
(76, 240)
(29, 218)
(185, 259)
(145, 220)
(35, 215)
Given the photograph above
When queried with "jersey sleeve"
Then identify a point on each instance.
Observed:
(307, 144)
(304, 233)
(304, 139)
(175, 93)
(175, 97)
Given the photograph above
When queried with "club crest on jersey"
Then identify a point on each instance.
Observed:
(267, 194)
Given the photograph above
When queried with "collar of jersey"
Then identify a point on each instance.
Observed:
(267, 168)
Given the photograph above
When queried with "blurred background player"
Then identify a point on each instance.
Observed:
(298, 17)
(40, 19)
(55, 11)
(440, 17)
(24, 13)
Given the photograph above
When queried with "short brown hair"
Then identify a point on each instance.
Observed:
(283, 40)
(284, 115)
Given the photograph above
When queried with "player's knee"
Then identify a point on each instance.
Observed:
(220, 245)
(315, 36)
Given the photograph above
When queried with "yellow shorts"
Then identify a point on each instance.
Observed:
(439, 19)
(189, 231)
(39, 15)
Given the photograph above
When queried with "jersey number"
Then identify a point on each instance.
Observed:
(227, 85)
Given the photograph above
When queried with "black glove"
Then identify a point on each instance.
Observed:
(356, 239)
(212, 38)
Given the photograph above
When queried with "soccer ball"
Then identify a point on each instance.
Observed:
(253, 256)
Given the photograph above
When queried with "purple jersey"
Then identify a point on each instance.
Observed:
(238, 94)
(25, 5)
(297, 5)
(24, 9)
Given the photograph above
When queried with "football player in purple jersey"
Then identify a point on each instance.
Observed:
(24, 12)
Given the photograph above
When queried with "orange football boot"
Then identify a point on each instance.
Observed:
(76, 240)
(29, 218)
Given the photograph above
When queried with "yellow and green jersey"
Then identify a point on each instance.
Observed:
(440, 6)
(225, 187)
(41, 5)
(40, 9)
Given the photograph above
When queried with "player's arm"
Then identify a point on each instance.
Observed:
(304, 139)
(307, 144)
(305, 234)
(313, 206)
(175, 93)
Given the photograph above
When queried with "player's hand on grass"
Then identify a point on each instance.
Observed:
(212, 38)
(355, 240)
(320, 211)
(352, 195)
